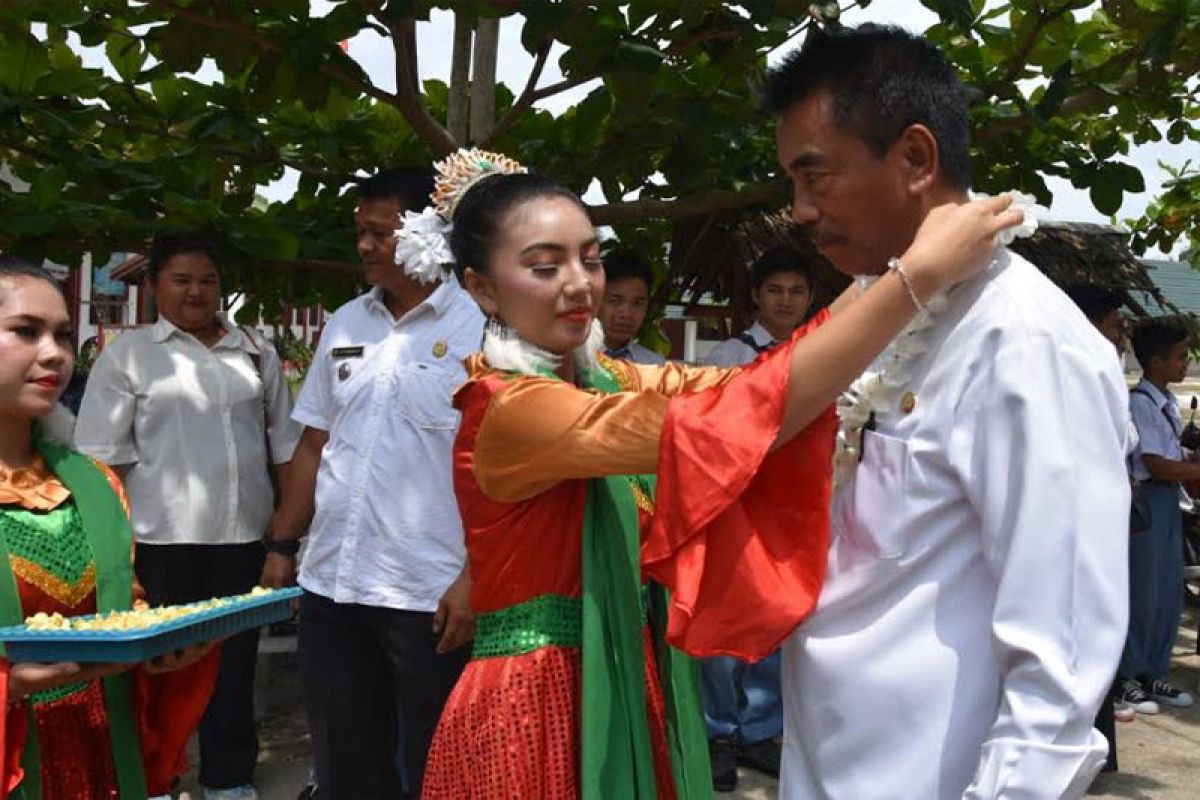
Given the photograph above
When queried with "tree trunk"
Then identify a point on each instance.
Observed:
(483, 79)
(460, 78)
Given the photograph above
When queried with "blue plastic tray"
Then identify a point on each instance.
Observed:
(127, 647)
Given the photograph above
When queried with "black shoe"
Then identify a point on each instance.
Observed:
(309, 792)
(723, 752)
(762, 756)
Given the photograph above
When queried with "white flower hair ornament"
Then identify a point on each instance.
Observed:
(423, 245)
(423, 240)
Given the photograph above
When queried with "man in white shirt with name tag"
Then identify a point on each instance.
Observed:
(384, 613)
(975, 601)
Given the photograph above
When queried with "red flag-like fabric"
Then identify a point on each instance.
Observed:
(740, 534)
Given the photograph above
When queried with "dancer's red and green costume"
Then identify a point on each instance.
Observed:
(66, 547)
(570, 693)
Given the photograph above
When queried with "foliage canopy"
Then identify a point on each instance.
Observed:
(1058, 87)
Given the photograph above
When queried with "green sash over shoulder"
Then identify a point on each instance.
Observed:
(111, 541)
(617, 756)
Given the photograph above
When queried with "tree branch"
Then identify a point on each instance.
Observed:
(562, 86)
(483, 78)
(460, 77)
(526, 98)
(404, 43)
(1089, 100)
(115, 120)
(713, 201)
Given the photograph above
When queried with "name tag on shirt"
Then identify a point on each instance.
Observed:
(347, 352)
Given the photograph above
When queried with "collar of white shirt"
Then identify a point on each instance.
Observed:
(760, 335)
(439, 301)
(234, 336)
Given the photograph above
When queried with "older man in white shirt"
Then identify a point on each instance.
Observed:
(384, 613)
(976, 600)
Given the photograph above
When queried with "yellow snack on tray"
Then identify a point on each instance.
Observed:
(139, 617)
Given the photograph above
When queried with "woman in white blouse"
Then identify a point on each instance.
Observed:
(194, 413)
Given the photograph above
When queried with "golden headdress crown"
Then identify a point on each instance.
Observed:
(459, 171)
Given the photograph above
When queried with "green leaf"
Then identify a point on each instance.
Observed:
(1106, 197)
(1178, 131)
(47, 187)
(178, 45)
(1112, 179)
(957, 12)
(638, 57)
(1161, 44)
(31, 225)
(1127, 176)
(125, 54)
(23, 59)
(169, 92)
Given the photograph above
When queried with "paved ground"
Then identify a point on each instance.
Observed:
(1159, 755)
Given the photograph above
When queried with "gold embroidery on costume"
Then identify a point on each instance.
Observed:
(62, 591)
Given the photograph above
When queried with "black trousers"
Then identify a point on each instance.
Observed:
(372, 681)
(1107, 726)
(185, 573)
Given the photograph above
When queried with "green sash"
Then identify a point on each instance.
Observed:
(109, 536)
(617, 757)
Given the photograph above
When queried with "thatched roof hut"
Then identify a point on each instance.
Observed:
(1082, 252)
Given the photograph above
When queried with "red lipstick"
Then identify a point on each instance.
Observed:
(583, 314)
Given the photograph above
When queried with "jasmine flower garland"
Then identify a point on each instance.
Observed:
(879, 393)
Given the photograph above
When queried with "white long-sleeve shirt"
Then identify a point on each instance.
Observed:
(386, 530)
(976, 598)
(189, 420)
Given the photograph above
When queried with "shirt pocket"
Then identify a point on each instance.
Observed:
(874, 519)
(425, 393)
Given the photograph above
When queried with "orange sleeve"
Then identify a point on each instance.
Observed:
(537, 432)
(669, 379)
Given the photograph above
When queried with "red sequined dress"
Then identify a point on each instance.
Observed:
(739, 536)
(51, 562)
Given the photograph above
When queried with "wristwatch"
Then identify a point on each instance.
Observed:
(283, 547)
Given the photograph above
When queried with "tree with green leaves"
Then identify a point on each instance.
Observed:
(670, 130)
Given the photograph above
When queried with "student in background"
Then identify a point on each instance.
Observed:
(1156, 555)
(783, 294)
(624, 305)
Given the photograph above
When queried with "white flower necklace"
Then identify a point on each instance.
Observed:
(878, 393)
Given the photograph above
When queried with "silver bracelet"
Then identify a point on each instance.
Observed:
(894, 265)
